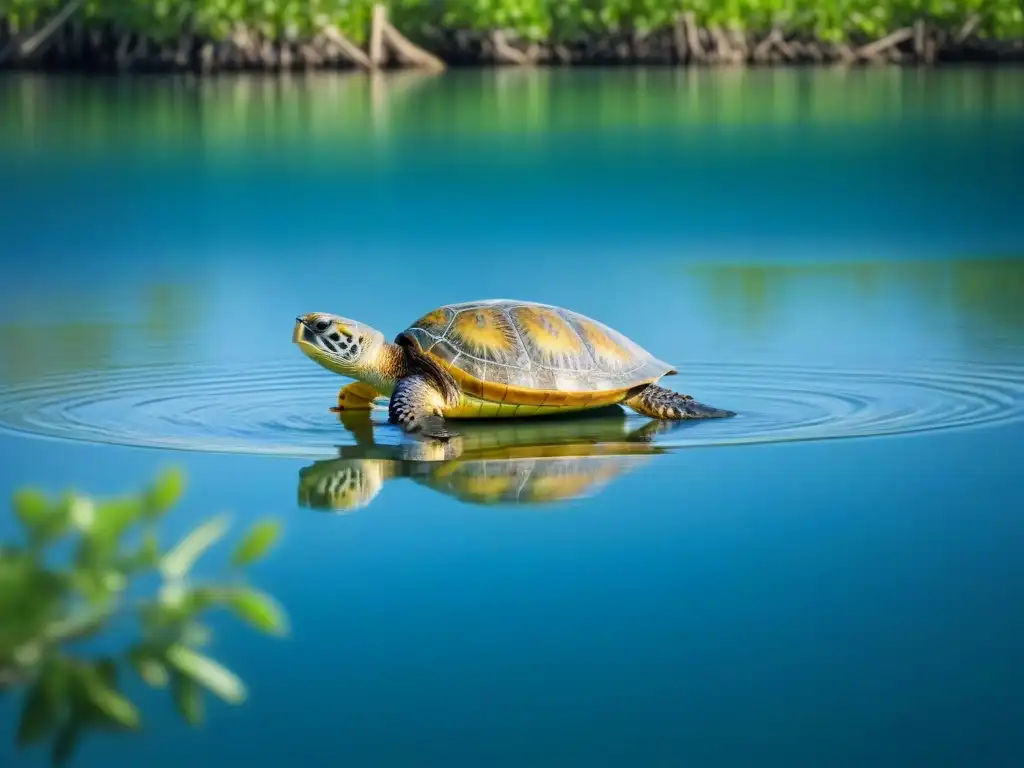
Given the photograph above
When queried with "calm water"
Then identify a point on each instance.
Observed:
(837, 257)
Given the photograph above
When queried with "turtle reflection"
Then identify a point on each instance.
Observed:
(529, 461)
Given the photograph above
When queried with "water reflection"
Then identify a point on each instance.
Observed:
(236, 114)
(535, 461)
(99, 330)
(978, 297)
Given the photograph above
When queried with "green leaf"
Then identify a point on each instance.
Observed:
(42, 521)
(40, 713)
(149, 668)
(166, 492)
(109, 701)
(257, 542)
(76, 626)
(259, 610)
(208, 673)
(65, 742)
(113, 517)
(180, 560)
(31, 508)
(188, 699)
(195, 635)
(145, 557)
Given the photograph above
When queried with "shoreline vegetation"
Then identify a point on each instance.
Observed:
(206, 36)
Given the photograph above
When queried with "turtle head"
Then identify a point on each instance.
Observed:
(337, 343)
(342, 485)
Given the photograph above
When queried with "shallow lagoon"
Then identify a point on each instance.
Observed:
(831, 577)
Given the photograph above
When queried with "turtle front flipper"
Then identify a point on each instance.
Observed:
(660, 403)
(356, 396)
(417, 406)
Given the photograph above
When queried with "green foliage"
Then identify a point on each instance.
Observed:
(533, 19)
(71, 579)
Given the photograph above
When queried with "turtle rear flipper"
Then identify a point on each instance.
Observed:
(661, 403)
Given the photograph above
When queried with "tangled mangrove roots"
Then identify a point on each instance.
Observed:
(68, 40)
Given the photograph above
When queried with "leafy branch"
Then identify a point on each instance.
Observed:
(74, 576)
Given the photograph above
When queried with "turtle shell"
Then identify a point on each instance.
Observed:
(524, 353)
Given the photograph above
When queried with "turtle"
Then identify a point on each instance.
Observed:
(494, 358)
(510, 463)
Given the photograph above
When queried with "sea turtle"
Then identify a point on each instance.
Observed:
(516, 462)
(493, 358)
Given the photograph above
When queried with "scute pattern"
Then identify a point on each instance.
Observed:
(485, 333)
(499, 348)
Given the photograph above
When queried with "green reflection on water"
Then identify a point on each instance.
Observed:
(95, 334)
(982, 293)
(236, 114)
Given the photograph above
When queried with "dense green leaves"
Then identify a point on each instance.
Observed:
(533, 19)
(51, 598)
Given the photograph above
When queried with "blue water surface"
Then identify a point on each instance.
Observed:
(832, 578)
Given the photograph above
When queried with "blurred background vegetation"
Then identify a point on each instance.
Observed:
(538, 20)
(89, 597)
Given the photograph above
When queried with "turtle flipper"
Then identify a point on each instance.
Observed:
(356, 396)
(417, 406)
(660, 403)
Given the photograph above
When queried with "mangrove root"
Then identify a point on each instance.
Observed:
(43, 36)
(505, 53)
(693, 41)
(881, 46)
(383, 33)
(348, 49)
(68, 39)
(967, 29)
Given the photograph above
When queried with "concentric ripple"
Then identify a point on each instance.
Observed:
(283, 410)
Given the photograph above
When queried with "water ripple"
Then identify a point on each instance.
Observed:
(283, 410)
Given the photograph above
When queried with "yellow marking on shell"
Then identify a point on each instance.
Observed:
(557, 398)
(435, 321)
(602, 343)
(485, 330)
(436, 317)
(493, 391)
(548, 331)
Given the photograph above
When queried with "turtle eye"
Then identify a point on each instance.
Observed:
(322, 325)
